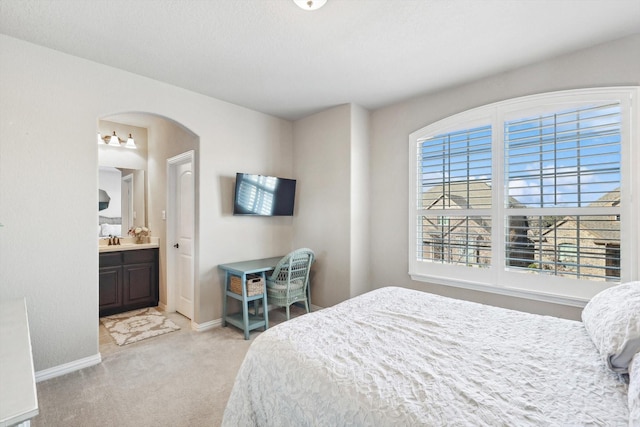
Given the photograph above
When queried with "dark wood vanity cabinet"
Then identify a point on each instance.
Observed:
(128, 280)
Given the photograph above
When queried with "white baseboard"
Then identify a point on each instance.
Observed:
(76, 365)
(201, 327)
(162, 306)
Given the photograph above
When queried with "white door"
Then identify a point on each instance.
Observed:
(181, 221)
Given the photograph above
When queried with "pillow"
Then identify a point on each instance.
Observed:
(612, 320)
(634, 391)
(111, 230)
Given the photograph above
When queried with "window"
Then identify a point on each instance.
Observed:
(537, 187)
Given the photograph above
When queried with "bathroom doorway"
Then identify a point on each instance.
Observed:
(163, 139)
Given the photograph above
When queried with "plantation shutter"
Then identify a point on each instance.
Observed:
(562, 174)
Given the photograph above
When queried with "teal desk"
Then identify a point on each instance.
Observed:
(245, 320)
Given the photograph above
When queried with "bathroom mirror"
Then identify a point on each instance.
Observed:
(121, 200)
(122, 176)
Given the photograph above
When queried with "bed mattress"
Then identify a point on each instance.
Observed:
(396, 356)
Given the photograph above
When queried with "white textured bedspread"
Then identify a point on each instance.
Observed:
(397, 357)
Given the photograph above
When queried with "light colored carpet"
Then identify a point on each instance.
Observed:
(137, 325)
(179, 379)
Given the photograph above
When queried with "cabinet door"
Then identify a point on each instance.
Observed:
(110, 289)
(140, 286)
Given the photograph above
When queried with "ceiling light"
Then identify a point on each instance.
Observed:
(310, 4)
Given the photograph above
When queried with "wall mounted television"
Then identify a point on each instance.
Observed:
(263, 195)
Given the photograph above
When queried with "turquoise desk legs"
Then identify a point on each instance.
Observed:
(245, 320)
(265, 308)
(245, 307)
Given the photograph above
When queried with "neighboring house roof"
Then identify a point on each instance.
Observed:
(459, 195)
(477, 194)
(605, 232)
(463, 195)
(611, 198)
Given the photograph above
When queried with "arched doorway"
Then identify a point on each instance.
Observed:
(159, 139)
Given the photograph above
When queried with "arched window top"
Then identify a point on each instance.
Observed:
(499, 191)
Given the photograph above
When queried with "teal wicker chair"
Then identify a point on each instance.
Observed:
(290, 278)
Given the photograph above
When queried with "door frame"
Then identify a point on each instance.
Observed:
(127, 182)
(171, 226)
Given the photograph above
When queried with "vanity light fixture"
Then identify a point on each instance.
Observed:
(310, 4)
(115, 141)
(130, 142)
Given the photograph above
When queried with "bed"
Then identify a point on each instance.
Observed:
(395, 356)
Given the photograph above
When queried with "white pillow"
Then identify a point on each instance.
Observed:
(634, 391)
(111, 230)
(612, 319)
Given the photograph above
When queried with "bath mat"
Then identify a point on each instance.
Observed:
(137, 325)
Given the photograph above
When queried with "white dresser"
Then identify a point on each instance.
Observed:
(18, 397)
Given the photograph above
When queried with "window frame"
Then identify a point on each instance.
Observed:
(497, 278)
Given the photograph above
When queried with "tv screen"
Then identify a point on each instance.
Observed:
(263, 195)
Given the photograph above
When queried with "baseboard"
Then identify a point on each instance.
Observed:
(162, 306)
(201, 327)
(76, 365)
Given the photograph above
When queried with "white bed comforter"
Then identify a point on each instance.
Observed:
(397, 357)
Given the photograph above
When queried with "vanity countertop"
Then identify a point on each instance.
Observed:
(127, 244)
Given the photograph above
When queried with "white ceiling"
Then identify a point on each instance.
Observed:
(273, 57)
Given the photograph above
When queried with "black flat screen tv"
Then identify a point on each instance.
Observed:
(263, 195)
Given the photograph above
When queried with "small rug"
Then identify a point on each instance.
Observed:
(137, 325)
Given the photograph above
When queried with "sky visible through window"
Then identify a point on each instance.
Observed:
(567, 159)
(563, 159)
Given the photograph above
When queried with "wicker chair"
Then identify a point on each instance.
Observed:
(290, 278)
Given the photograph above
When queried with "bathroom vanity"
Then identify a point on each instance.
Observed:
(128, 277)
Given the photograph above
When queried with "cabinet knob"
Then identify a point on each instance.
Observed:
(177, 245)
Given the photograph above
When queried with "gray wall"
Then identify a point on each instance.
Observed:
(612, 64)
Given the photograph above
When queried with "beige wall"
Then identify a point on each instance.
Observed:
(50, 104)
(322, 220)
(331, 162)
(611, 64)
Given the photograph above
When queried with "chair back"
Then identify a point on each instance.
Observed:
(294, 267)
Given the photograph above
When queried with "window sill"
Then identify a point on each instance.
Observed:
(501, 290)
